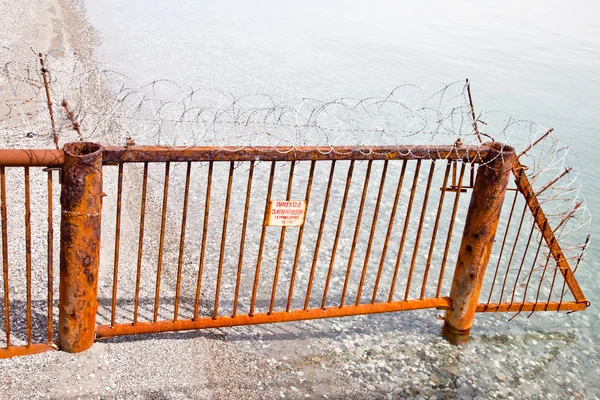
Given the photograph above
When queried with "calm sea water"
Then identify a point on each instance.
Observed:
(535, 60)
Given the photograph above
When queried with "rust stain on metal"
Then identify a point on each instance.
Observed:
(115, 155)
(477, 241)
(81, 200)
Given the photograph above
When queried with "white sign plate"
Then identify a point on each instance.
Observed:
(286, 213)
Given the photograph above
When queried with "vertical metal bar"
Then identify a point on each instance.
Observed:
(512, 253)
(141, 245)
(281, 241)
(435, 229)
(537, 296)
(319, 236)
(161, 245)
(389, 232)
(337, 233)
(413, 190)
(117, 244)
(262, 239)
(223, 240)
(512, 299)
(300, 234)
(5, 254)
(372, 233)
(182, 239)
(28, 253)
(419, 230)
(50, 260)
(537, 253)
(512, 209)
(556, 268)
(204, 232)
(450, 230)
(243, 240)
(454, 168)
(472, 175)
(356, 231)
(579, 258)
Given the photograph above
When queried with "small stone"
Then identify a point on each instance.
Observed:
(500, 376)
(92, 375)
(316, 359)
(371, 388)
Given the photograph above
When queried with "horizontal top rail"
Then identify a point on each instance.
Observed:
(115, 155)
(31, 158)
(123, 154)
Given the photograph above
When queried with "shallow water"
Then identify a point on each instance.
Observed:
(533, 60)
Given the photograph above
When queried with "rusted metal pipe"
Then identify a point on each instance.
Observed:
(115, 155)
(81, 200)
(31, 158)
(477, 241)
(106, 331)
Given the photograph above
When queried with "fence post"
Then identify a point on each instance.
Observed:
(477, 241)
(81, 201)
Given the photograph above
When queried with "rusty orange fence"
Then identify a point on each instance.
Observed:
(188, 245)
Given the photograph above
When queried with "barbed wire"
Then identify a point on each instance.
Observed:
(61, 99)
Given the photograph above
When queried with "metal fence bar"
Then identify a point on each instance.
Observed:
(512, 298)
(389, 232)
(262, 238)
(319, 236)
(300, 233)
(50, 270)
(105, 331)
(435, 229)
(31, 158)
(140, 244)
(288, 197)
(537, 253)
(450, 231)
(161, 245)
(243, 240)
(28, 253)
(512, 253)
(204, 233)
(372, 233)
(419, 230)
(510, 216)
(113, 155)
(531, 306)
(413, 190)
(356, 231)
(337, 234)
(5, 255)
(186, 196)
(223, 241)
(117, 245)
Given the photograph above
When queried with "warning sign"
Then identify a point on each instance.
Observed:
(286, 213)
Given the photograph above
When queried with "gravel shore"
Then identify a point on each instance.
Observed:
(383, 356)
